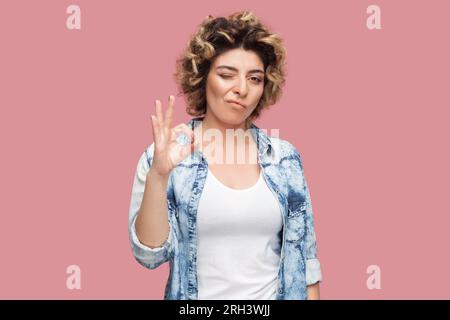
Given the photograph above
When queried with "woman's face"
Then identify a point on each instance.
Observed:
(235, 75)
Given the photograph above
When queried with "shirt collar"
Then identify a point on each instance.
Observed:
(262, 140)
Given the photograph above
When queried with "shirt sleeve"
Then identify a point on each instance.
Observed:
(313, 267)
(150, 258)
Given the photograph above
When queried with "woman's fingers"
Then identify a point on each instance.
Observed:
(159, 114)
(155, 128)
(169, 113)
(181, 128)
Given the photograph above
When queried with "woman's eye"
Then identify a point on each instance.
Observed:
(227, 76)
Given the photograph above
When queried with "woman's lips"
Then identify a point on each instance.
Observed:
(236, 104)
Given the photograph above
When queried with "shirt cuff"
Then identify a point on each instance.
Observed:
(313, 271)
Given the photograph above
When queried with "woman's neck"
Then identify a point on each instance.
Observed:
(238, 137)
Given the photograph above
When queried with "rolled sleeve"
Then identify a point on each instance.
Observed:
(313, 271)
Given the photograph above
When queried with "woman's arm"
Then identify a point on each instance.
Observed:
(152, 225)
(313, 291)
(144, 246)
(153, 207)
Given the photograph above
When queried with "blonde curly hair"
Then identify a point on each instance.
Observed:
(217, 35)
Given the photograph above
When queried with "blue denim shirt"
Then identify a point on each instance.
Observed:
(283, 173)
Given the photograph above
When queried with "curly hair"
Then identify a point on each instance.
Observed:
(217, 35)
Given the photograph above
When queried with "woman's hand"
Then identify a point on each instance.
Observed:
(168, 152)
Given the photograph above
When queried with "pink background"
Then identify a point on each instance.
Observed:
(367, 109)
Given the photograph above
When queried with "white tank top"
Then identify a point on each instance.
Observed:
(239, 241)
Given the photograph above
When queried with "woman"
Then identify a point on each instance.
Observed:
(230, 228)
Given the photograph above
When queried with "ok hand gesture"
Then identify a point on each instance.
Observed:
(168, 151)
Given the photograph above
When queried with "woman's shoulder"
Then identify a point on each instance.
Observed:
(284, 148)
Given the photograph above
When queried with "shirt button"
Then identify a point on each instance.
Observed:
(280, 291)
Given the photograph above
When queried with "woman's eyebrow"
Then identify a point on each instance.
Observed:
(234, 69)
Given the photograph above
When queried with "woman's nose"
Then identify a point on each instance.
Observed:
(241, 87)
